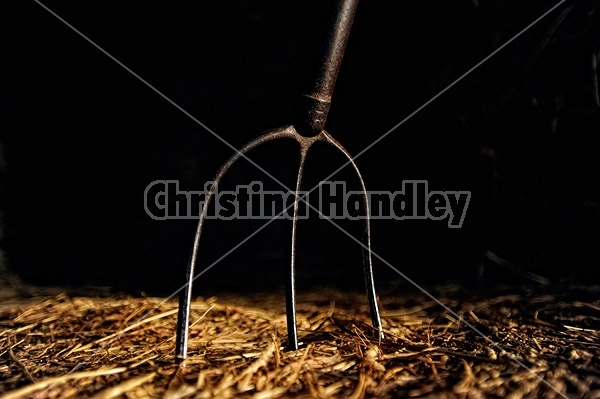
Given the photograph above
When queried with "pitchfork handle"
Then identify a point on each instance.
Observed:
(320, 97)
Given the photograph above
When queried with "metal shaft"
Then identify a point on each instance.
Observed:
(319, 98)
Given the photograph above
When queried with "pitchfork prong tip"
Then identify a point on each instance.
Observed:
(293, 346)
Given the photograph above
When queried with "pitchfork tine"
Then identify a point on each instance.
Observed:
(185, 297)
(306, 133)
(290, 288)
(366, 238)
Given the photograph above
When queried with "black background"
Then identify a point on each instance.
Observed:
(82, 138)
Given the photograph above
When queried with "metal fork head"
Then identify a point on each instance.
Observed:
(305, 143)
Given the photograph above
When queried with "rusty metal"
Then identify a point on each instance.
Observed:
(306, 132)
(319, 96)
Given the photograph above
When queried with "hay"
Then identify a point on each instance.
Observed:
(76, 347)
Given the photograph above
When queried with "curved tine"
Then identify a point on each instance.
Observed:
(367, 261)
(290, 292)
(185, 297)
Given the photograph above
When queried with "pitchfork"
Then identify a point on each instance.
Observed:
(306, 133)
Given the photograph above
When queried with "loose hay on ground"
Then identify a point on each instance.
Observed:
(74, 347)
